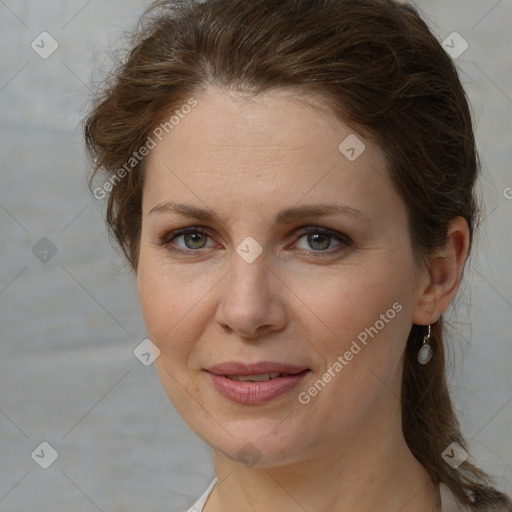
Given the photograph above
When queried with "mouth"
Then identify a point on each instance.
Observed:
(255, 383)
(256, 378)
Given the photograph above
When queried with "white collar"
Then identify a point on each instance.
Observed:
(448, 501)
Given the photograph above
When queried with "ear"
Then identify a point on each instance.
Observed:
(442, 279)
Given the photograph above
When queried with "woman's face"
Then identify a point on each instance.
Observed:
(297, 260)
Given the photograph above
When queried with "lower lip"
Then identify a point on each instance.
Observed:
(255, 393)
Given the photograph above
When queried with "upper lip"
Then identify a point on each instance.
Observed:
(239, 368)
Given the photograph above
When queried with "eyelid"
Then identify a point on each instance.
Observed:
(344, 240)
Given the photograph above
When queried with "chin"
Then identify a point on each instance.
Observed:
(255, 442)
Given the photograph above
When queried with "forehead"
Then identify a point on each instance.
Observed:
(276, 144)
(230, 125)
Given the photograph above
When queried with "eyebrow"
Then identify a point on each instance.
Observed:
(285, 216)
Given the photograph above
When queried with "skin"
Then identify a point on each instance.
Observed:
(246, 159)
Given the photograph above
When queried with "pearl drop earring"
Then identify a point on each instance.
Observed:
(425, 353)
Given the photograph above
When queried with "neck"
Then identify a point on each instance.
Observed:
(384, 481)
(370, 469)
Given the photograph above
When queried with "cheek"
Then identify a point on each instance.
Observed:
(167, 303)
(359, 356)
(173, 305)
(364, 317)
(155, 299)
(172, 311)
(355, 300)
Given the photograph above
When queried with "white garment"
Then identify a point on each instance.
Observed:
(199, 504)
(448, 501)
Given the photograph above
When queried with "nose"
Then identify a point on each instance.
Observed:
(251, 303)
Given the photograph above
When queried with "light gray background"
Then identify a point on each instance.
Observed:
(69, 326)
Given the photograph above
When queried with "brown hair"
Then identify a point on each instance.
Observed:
(382, 72)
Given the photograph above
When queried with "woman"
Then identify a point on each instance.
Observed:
(292, 183)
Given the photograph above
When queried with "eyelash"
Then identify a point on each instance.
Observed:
(166, 239)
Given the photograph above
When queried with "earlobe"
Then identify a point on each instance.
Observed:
(442, 281)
